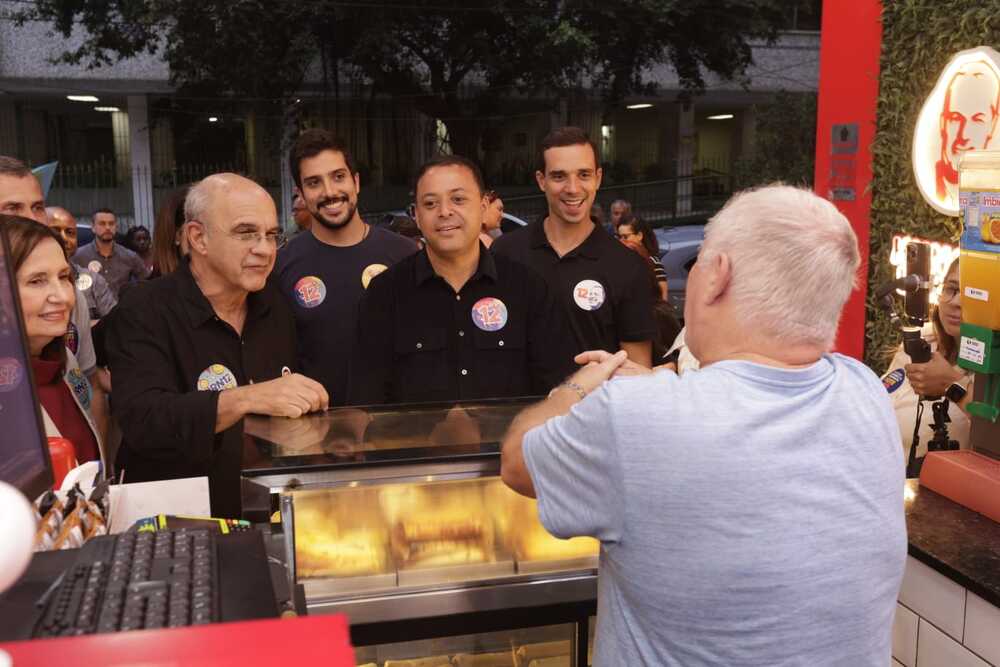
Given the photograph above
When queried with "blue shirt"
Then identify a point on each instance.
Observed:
(749, 515)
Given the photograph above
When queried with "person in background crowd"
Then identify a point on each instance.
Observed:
(45, 288)
(940, 377)
(193, 352)
(300, 214)
(138, 240)
(636, 230)
(169, 242)
(406, 226)
(599, 284)
(680, 477)
(454, 322)
(491, 221)
(620, 210)
(667, 326)
(323, 273)
(116, 264)
(94, 288)
(21, 194)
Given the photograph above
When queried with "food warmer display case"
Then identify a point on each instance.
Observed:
(396, 517)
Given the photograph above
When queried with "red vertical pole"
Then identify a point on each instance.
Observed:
(850, 46)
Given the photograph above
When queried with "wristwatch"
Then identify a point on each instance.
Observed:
(955, 393)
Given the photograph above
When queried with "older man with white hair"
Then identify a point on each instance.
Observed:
(750, 512)
(193, 352)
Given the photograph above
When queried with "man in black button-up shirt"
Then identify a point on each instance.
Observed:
(452, 322)
(193, 352)
(600, 285)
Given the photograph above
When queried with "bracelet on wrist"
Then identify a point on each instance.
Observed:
(570, 385)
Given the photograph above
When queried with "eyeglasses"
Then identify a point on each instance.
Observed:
(949, 292)
(277, 239)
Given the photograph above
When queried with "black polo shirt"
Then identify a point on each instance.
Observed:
(322, 285)
(170, 357)
(601, 286)
(419, 340)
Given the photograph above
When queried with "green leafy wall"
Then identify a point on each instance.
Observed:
(918, 39)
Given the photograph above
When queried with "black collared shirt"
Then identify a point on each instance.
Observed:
(601, 286)
(419, 340)
(170, 357)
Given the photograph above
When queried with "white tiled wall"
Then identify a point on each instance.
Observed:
(982, 628)
(940, 624)
(934, 597)
(935, 648)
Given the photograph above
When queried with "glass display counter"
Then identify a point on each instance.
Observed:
(452, 554)
(396, 516)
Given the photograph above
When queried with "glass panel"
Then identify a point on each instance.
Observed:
(352, 436)
(548, 646)
(366, 538)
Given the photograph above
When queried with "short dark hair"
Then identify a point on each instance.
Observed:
(450, 161)
(311, 143)
(11, 166)
(565, 136)
(105, 210)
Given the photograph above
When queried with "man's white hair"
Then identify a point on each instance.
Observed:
(198, 200)
(794, 260)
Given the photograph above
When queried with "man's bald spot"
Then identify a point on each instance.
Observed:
(217, 190)
(59, 214)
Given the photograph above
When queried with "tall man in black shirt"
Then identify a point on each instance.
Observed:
(453, 322)
(323, 271)
(601, 286)
(193, 352)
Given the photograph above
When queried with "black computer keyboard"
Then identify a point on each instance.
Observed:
(136, 581)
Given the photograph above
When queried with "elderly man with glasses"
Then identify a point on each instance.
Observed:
(193, 352)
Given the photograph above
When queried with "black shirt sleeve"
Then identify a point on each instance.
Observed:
(634, 319)
(158, 417)
(371, 367)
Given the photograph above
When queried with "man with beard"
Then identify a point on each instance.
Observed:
(601, 286)
(324, 271)
(116, 264)
(100, 300)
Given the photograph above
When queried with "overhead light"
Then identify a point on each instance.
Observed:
(213, 119)
(643, 105)
(82, 98)
(721, 116)
(106, 109)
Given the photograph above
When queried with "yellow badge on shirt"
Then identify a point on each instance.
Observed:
(216, 378)
(370, 272)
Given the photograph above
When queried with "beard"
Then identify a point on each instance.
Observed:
(349, 214)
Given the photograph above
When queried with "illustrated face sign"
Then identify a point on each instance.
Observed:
(959, 116)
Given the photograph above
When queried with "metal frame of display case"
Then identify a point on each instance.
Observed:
(439, 610)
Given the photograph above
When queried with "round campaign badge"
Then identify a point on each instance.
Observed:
(370, 272)
(95, 266)
(80, 387)
(216, 378)
(489, 314)
(310, 292)
(894, 380)
(10, 374)
(84, 281)
(72, 338)
(589, 294)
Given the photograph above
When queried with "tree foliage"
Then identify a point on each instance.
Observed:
(455, 58)
(784, 144)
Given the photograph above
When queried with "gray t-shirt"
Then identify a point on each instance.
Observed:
(100, 300)
(749, 515)
(122, 266)
(79, 340)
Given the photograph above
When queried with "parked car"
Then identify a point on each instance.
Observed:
(679, 248)
(84, 234)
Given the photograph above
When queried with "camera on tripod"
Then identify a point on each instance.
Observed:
(916, 287)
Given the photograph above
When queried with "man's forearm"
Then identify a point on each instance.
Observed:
(512, 465)
(234, 405)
